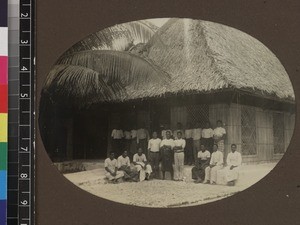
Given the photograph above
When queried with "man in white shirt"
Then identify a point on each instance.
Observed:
(116, 140)
(207, 136)
(179, 146)
(219, 135)
(166, 128)
(111, 168)
(234, 161)
(203, 158)
(196, 135)
(178, 129)
(216, 163)
(142, 136)
(154, 155)
(124, 165)
(167, 155)
(142, 166)
(188, 153)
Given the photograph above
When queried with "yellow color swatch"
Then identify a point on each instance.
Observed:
(3, 127)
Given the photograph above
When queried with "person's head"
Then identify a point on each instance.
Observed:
(140, 151)
(202, 147)
(219, 123)
(168, 134)
(215, 147)
(207, 124)
(188, 125)
(233, 147)
(154, 134)
(179, 126)
(125, 153)
(112, 155)
(179, 134)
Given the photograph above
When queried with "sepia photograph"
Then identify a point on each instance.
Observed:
(167, 112)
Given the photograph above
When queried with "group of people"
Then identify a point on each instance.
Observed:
(202, 147)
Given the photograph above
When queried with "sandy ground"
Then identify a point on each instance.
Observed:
(165, 193)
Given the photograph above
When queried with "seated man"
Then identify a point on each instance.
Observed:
(202, 161)
(216, 163)
(124, 165)
(234, 161)
(140, 162)
(111, 167)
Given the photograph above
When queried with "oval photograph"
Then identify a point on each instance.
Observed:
(166, 112)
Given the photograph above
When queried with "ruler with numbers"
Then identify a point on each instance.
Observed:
(21, 113)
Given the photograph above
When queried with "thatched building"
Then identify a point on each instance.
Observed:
(215, 72)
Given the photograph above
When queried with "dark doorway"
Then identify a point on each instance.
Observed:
(90, 135)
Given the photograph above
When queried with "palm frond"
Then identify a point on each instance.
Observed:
(114, 66)
(119, 37)
(77, 83)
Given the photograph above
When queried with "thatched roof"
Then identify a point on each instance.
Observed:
(203, 56)
(183, 57)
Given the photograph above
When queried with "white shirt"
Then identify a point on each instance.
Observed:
(139, 158)
(188, 133)
(219, 131)
(154, 144)
(203, 155)
(234, 159)
(163, 133)
(111, 164)
(117, 134)
(167, 142)
(216, 158)
(127, 135)
(133, 134)
(179, 143)
(196, 135)
(123, 161)
(207, 133)
(175, 133)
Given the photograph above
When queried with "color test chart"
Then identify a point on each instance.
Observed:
(3, 109)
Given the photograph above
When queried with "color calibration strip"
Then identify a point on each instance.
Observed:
(3, 109)
(21, 113)
(13, 111)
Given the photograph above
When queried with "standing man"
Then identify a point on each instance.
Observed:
(116, 140)
(142, 166)
(133, 145)
(111, 168)
(178, 129)
(142, 136)
(154, 155)
(167, 155)
(207, 136)
(196, 135)
(219, 135)
(179, 145)
(198, 172)
(216, 163)
(234, 161)
(188, 151)
(127, 140)
(166, 128)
